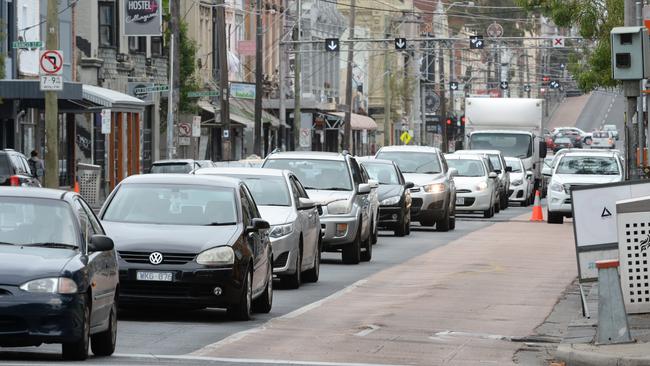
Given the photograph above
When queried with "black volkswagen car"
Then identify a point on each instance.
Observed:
(190, 241)
(58, 273)
(394, 195)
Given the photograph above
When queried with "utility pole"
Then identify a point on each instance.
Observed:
(297, 112)
(174, 78)
(51, 104)
(224, 90)
(631, 92)
(282, 72)
(259, 43)
(388, 132)
(640, 118)
(347, 128)
(443, 97)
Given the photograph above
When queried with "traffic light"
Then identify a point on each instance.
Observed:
(449, 121)
(462, 120)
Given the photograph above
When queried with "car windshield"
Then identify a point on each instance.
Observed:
(588, 165)
(413, 162)
(267, 190)
(495, 160)
(548, 162)
(173, 168)
(29, 221)
(168, 204)
(510, 144)
(467, 167)
(609, 128)
(516, 165)
(328, 175)
(562, 140)
(383, 173)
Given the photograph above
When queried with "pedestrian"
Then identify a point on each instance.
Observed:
(36, 166)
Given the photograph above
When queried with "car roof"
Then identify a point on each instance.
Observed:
(309, 155)
(174, 161)
(512, 158)
(463, 156)
(371, 160)
(412, 148)
(513, 132)
(596, 153)
(188, 179)
(242, 171)
(33, 192)
(475, 152)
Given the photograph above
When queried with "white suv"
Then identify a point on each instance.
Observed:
(579, 169)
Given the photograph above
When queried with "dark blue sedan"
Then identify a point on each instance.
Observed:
(58, 274)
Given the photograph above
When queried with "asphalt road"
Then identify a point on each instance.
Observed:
(166, 337)
(604, 108)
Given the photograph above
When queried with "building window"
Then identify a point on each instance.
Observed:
(156, 46)
(138, 44)
(107, 36)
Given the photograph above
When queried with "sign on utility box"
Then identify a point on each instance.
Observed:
(630, 53)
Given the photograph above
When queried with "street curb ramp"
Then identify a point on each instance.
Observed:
(636, 354)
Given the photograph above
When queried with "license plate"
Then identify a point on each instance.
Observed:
(154, 276)
(460, 200)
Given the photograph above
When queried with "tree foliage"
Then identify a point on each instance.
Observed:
(591, 64)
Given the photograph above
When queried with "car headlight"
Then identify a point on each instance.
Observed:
(219, 256)
(517, 182)
(340, 207)
(557, 187)
(434, 188)
(55, 285)
(480, 187)
(278, 231)
(391, 201)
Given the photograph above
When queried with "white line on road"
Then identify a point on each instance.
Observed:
(444, 335)
(369, 329)
(247, 360)
(240, 335)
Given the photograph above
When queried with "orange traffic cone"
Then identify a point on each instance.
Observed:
(538, 215)
(76, 186)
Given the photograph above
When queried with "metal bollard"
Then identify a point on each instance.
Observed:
(613, 327)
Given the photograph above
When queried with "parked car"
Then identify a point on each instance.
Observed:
(335, 181)
(58, 274)
(522, 184)
(295, 225)
(550, 143)
(394, 195)
(373, 199)
(546, 173)
(576, 169)
(175, 166)
(206, 164)
(477, 186)
(15, 171)
(190, 241)
(502, 170)
(604, 140)
(562, 142)
(613, 129)
(434, 193)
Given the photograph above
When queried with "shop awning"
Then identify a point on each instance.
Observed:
(358, 121)
(31, 89)
(112, 99)
(235, 115)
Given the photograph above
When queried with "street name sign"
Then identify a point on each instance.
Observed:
(27, 44)
(204, 93)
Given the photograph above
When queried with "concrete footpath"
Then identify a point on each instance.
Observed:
(473, 301)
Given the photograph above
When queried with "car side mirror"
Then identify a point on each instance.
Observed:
(364, 188)
(498, 171)
(409, 185)
(493, 175)
(305, 203)
(320, 209)
(509, 169)
(543, 149)
(257, 225)
(373, 183)
(100, 243)
(453, 172)
(529, 174)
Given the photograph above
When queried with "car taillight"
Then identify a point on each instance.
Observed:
(610, 141)
(14, 180)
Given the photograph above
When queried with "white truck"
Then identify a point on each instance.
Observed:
(512, 125)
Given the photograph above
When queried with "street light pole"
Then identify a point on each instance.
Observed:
(259, 42)
(51, 104)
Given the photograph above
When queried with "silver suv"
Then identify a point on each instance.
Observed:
(500, 167)
(434, 194)
(336, 182)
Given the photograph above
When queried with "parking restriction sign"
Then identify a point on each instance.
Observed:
(51, 62)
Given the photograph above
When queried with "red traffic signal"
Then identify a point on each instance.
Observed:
(448, 121)
(462, 120)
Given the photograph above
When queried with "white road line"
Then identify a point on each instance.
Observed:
(445, 335)
(247, 360)
(369, 329)
(241, 335)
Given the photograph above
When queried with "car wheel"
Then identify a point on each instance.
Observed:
(366, 255)
(443, 224)
(311, 275)
(264, 303)
(504, 201)
(488, 213)
(351, 253)
(400, 230)
(78, 351)
(374, 232)
(293, 281)
(452, 219)
(497, 207)
(103, 344)
(242, 310)
(555, 218)
(407, 229)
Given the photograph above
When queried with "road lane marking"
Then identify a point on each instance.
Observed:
(248, 360)
(447, 334)
(369, 329)
(294, 314)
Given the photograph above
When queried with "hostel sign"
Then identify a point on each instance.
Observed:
(142, 17)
